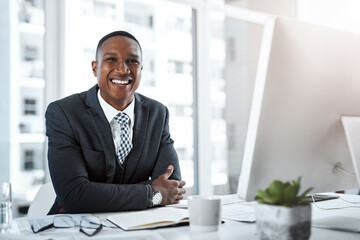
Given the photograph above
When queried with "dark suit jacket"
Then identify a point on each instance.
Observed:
(82, 161)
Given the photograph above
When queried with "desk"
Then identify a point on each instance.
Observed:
(230, 230)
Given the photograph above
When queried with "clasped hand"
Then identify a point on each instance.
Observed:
(171, 190)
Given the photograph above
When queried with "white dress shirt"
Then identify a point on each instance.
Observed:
(110, 113)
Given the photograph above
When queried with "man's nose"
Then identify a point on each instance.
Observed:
(123, 68)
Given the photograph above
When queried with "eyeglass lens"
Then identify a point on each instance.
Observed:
(64, 222)
(57, 222)
(90, 226)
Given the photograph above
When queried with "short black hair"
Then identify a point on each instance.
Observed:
(113, 34)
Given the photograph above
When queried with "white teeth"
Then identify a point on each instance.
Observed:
(120, 81)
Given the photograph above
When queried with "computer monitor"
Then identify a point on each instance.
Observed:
(308, 77)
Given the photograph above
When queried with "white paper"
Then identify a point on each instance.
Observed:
(241, 212)
(340, 223)
(126, 236)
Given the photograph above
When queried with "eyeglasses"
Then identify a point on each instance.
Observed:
(89, 225)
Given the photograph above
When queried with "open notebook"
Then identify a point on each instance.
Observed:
(147, 219)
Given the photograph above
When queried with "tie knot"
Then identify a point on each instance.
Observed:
(122, 118)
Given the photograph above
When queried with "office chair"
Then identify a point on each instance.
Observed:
(42, 202)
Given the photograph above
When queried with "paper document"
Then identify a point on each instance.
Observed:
(182, 204)
(126, 236)
(233, 208)
(241, 212)
(340, 223)
(225, 200)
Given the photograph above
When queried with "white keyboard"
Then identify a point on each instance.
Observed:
(230, 199)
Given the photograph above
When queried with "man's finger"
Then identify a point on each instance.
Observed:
(169, 171)
(182, 183)
(179, 197)
(181, 191)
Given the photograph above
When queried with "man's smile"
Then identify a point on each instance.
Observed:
(120, 81)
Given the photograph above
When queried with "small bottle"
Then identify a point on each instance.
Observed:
(5, 207)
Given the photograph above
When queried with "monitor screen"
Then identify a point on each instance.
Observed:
(308, 77)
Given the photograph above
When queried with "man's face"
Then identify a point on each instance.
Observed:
(118, 70)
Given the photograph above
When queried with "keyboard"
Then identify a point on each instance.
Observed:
(230, 199)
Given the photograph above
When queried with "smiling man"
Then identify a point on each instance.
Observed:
(109, 147)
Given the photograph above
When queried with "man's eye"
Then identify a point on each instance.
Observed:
(111, 59)
(133, 61)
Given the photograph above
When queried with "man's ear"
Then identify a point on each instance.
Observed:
(94, 65)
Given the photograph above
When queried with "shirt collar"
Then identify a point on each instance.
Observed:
(111, 112)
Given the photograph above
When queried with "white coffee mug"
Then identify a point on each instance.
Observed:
(204, 213)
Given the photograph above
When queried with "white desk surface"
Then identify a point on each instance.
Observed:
(228, 231)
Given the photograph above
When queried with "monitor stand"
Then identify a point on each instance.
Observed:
(352, 132)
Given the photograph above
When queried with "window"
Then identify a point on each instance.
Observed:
(180, 110)
(101, 9)
(167, 58)
(29, 106)
(242, 51)
(219, 156)
(32, 157)
(175, 66)
(29, 160)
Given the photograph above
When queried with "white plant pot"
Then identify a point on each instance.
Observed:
(283, 223)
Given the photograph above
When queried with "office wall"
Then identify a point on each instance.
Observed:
(339, 14)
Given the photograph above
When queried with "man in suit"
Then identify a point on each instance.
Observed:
(109, 147)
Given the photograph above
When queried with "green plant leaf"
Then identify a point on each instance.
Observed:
(290, 193)
(276, 191)
(303, 195)
(262, 196)
(282, 193)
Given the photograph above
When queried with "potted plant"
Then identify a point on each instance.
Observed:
(282, 213)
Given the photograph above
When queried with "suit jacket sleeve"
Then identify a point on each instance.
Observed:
(75, 191)
(166, 154)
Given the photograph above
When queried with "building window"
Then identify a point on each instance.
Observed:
(29, 160)
(140, 19)
(29, 106)
(104, 9)
(175, 66)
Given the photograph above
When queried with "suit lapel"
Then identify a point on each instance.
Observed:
(103, 129)
(140, 129)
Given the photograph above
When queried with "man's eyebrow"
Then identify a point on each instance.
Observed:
(110, 53)
(115, 54)
(134, 55)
